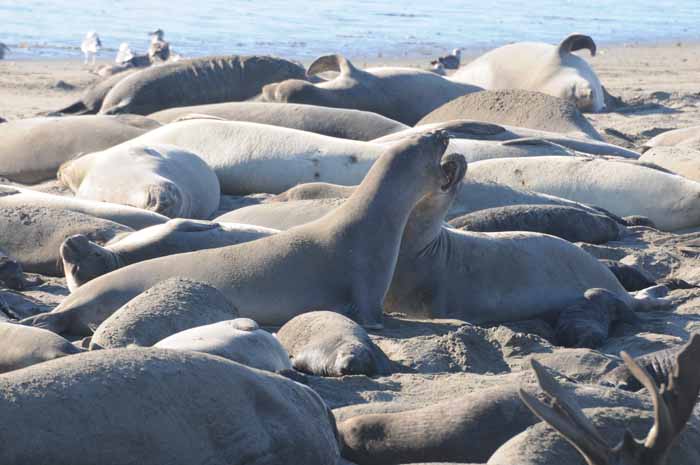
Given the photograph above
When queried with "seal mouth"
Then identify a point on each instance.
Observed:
(454, 167)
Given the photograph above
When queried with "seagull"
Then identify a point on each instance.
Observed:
(159, 49)
(438, 68)
(90, 46)
(124, 55)
(451, 61)
(3, 49)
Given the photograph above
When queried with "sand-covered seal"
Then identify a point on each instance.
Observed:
(22, 346)
(572, 224)
(171, 306)
(276, 278)
(402, 94)
(682, 160)
(91, 100)
(84, 260)
(622, 188)
(550, 69)
(335, 122)
(13, 197)
(516, 107)
(325, 343)
(156, 406)
(161, 178)
(34, 148)
(197, 81)
(32, 235)
(240, 340)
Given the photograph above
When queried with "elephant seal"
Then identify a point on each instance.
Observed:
(402, 94)
(334, 122)
(197, 81)
(84, 260)
(171, 306)
(32, 235)
(682, 160)
(34, 148)
(328, 344)
(622, 188)
(550, 69)
(161, 178)
(276, 278)
(155, 406)
(516, 107)
(91, 100)
(682, 137)
(445, 273)
(13, 197)
(658, 364)
(22, 346)
(240, 340)
(569, 223)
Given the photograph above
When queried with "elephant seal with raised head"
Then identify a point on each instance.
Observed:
(276, 278)
(84, 260)
(197, 81)
(161, 178)
(34, 148)
(550, 69)
(402, 94)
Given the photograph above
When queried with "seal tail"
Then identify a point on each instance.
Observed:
(650, 299)
(575, 42)
(331, 63)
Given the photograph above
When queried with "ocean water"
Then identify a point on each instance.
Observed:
(359, 28)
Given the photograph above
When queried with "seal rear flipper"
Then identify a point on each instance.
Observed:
(191, 116)
(651, 299)
(574, 42)
(76, 108)
(469, 129)
(56, 322)
(331, 63)
(294, 375)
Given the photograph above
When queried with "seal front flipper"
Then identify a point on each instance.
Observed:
(574, 42)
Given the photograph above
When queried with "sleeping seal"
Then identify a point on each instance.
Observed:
(550, 69)
(161, 178)
(402, 94)
(22, 346)
(276, 278)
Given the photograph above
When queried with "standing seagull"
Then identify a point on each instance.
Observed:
(452, 61)
(159, 49)
(3, 48)
(438, 68)
(90, 46)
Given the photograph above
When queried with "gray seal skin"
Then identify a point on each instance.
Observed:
(334, 122)
(402, 94)
(569, 223)
(13, 197)
(276, 278)
(658, 365)
(196, 82)
(154, 407)
(631, 278)
(240, 340)
(91, 100)
(516, 107)
(32, 235)
(171, 306)
(84, 260)
(161, 178)
(22, 346)
(328, 344)
(34, 148)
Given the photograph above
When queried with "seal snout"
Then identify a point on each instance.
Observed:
(73, 247)
(454, 167)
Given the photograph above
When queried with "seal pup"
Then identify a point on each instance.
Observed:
(91, 46)
(161, 178)
(171, 306)
(334, 122)
(34, 148)
(402, 94)
(551, 69)
(13, 197)
(329, 344)
(195, 82)
(240, 340)
(23, 346)
(84, 260)
(516, 107)
(279, 277)
(669, 201)
(32, 234)
(156, 406)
